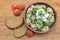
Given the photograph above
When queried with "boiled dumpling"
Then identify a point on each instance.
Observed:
(52, 19)
(46, 28)
(49, 10)
(29, 10)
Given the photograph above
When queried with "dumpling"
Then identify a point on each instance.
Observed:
(28, 21)
(40, 6)
(46, 28)
(49, 10)
(33, 17)
(29, 10)
(52, 19)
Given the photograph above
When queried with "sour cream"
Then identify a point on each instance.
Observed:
(44, 18)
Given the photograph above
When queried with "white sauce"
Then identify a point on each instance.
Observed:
(46, 15)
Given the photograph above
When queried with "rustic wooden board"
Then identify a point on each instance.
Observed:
(6, 11)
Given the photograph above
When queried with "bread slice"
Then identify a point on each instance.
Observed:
(19, 32)
(14, 22)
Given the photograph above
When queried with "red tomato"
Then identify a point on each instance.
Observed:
(15, 6)
(29, 33)
(17, 12)
(22, 7)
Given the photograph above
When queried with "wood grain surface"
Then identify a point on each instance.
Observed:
(6, 11)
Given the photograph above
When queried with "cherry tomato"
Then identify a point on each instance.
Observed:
(22, 7)
(29, 33)
(15, 6)
(17, 12)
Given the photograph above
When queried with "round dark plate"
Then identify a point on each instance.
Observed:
(47, 5)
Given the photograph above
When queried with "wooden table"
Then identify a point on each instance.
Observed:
(6, 11)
